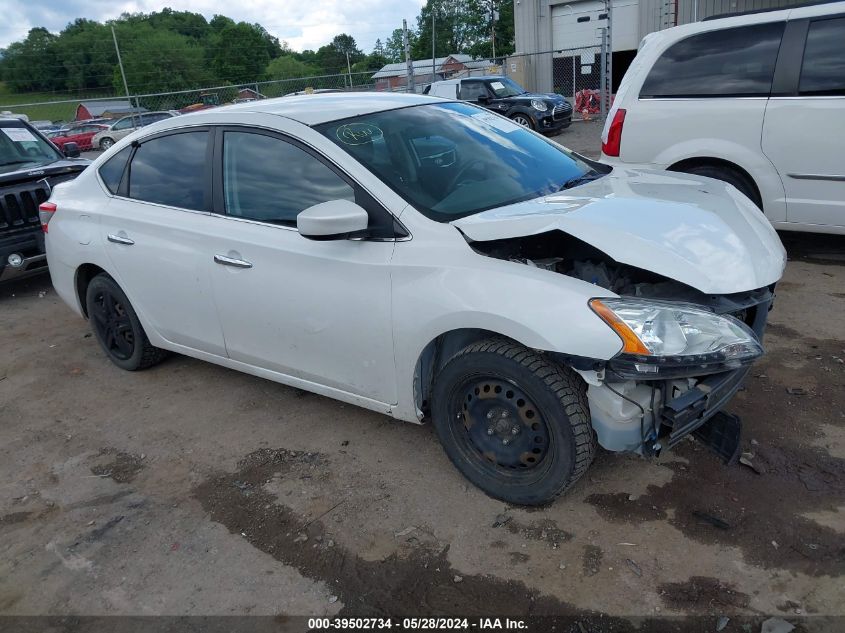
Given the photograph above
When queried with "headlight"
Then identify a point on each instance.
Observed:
(539, 105)
(680, 333)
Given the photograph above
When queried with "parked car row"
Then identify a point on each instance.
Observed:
(102, 133)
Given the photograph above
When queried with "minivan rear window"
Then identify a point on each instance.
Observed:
(736, 62)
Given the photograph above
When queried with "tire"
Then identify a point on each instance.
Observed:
(106, 143)
(117, 328)
(523, 119)
(512, 422)
(730, 176)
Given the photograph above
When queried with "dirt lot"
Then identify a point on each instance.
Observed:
(192, 489)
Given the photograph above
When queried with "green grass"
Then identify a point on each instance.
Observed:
(44, 110)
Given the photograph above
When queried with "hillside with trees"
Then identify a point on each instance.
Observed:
(172, 50)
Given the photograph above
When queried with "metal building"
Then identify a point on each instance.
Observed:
(550, 32)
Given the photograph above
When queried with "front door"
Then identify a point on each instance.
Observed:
(315, 310)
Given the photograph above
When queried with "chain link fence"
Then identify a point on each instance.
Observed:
(578, 74)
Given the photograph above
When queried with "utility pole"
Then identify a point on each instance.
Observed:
(494, 17)
(349, 69)
(607, 88)
(408, 62)
(123, 74)
(433, 57)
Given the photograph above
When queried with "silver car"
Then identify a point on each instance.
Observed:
(126, 125)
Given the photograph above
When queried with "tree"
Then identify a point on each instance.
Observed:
(288, 67)
(33, 64)
(86, 51)
(238, 53)
(332, 59)
(394, 46)
(158, 60)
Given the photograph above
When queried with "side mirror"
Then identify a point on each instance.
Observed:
(483, 99)
(71, 150)
(333, 220)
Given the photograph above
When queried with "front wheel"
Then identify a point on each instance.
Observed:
(515, 424)
(106, 143)
(524, 120)
(117, 328)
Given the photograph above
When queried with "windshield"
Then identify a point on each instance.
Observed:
(506, 87)
(19, 145)
(451, 160)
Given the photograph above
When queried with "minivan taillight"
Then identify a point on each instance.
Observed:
(45, 212)
(611, 146)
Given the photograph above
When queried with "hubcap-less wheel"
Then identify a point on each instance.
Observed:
(521, 119)
(106, 143)
(501, 424)
(113, 325)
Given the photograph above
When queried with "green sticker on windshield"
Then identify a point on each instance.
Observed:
(358, 133)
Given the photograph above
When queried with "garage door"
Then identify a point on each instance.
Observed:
(577, 24)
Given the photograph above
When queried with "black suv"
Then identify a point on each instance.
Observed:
(546, 113)
(30, 166)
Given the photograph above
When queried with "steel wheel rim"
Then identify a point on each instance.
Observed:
(113, 325)
(499, 424)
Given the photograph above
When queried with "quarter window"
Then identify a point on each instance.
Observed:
(738, 62)
(823, 68)
(271, 180)
(171, 170)
(112, 170)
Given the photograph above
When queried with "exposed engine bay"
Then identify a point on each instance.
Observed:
(645, 413)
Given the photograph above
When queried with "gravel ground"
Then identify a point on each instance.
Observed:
(193, 489)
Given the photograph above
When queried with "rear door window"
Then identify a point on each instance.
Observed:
(823, 68)
(171, 170)
(736, 62)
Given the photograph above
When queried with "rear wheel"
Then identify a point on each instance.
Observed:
(516, 425)
(731, 176)
(523, 119)
(117, 328)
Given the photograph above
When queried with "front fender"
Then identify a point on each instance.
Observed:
(438, 288)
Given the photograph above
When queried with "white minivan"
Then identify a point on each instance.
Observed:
(756, 100)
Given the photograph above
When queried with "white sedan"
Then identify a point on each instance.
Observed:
(429, 260)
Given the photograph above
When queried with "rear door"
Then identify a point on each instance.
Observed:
(156, 233)
(804, 124)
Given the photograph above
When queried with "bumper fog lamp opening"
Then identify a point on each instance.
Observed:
(15, 260)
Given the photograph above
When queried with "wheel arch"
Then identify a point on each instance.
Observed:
(84, 274)
(436, 353)
(712, 161)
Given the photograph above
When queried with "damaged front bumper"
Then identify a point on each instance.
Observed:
(643, 404)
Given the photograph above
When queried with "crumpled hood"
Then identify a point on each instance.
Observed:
(698, 231)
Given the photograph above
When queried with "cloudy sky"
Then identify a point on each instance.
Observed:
(301, 23)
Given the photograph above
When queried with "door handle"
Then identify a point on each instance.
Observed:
(231, 261)
(119, 239)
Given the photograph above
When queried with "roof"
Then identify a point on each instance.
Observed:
(400, 69)
(319, 108)
(98, 107)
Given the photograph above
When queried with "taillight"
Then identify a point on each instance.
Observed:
(45, 212)
(611, 146)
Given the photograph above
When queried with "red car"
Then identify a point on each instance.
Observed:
(79, 134)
